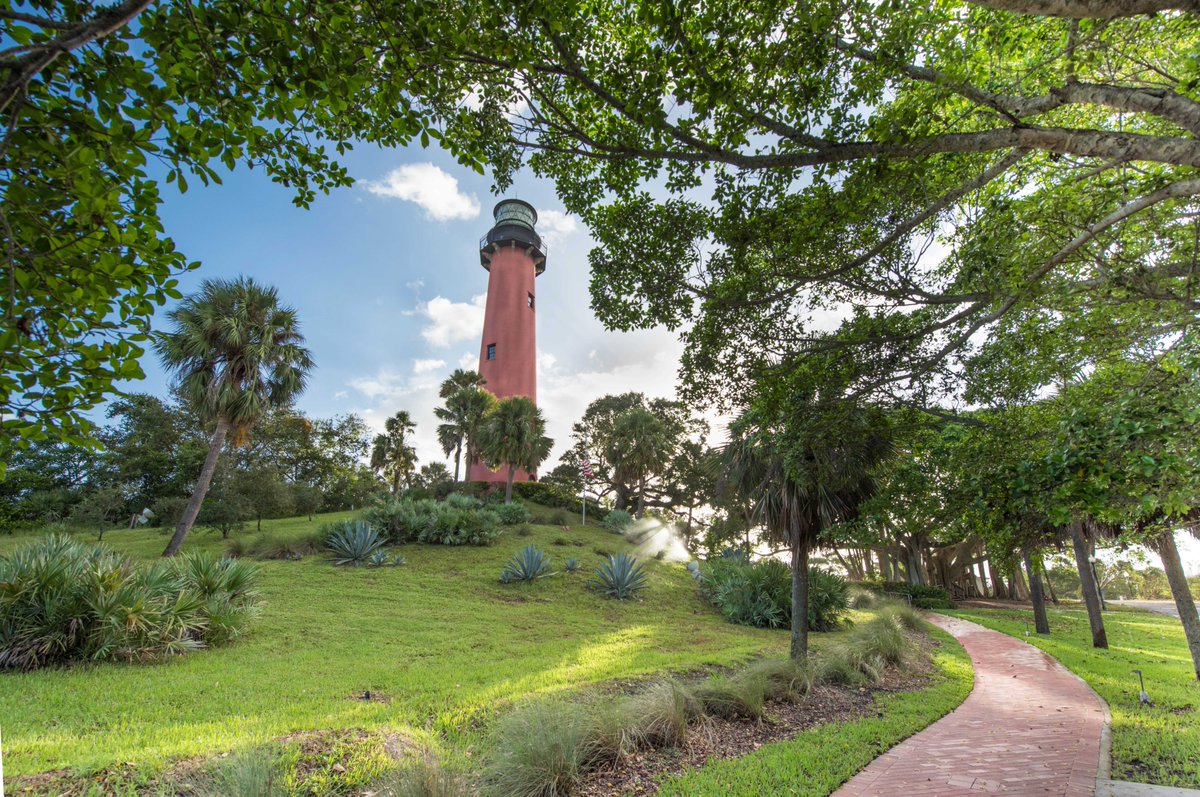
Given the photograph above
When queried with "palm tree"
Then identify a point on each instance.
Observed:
(463, 412)
(514, 434)
(803, 477)
(392, 456)
(235, 353)
(638, 446)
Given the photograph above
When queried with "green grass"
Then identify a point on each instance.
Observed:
(819, 760)
(1157, 744)
(440, 639)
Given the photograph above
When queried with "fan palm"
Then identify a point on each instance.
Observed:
(462, 414)
(803, 477)
(514, 434)
(392, 456)
(236, 352)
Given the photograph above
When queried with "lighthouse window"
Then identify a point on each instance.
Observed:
(531, 301)
(491, 351)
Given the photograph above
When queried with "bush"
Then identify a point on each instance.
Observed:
(655, 717)
(512, 514)
(352, 542)
(617, 521)
(460, 520)
(864, 653)
(760, 593)
(561, 541)
(63, 602)
(862, 598)
(620, 577)
(783, 679)
(529, 564)
(921, 596)
(556, 497)
(561, 517)
(268, 546)
(537, 751)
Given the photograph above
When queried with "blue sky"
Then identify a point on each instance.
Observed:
(386, 279)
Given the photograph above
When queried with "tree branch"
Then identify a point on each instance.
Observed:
(1090, 9)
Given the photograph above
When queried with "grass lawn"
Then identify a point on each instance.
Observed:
(1156, 744)
(819, 760)
(439, 640)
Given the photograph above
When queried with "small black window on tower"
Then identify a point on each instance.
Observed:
(491, 351)
(531, 301)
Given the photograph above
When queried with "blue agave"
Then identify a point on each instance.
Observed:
(572, 565)
(354, 543)
(620, 577)
(529, 564)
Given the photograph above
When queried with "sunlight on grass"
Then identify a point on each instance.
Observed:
(439, 641)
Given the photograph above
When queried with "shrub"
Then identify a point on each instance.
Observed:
(600, 550)
(572, 565)
(556, 497)
(760, 593)
(617, 521)
(561, 517)
(864, 653)
(620, 577)
(268, 546)
(862, 599)
(922, 596)
(537, 751)
(529, 564)
(561, 541)
(524, 531)
(63, 602)
(353, 542)
(512, 514)
(460, 520)
(460, 501)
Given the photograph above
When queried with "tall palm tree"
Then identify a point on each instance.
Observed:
(804, 476)
(463, 412)
(638, 446)
(392, 455)
(236, 352)
(514, 434)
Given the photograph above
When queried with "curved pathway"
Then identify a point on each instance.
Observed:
(1029, 727)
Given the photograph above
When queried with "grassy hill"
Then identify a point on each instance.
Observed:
(438, 642)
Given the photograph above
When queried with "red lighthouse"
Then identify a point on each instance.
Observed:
(513, 254)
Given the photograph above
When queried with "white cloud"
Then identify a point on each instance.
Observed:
(425, 366)
(430, 187)
(452, 322)
(554, 225)
(468, 361)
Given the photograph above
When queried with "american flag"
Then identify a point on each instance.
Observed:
(587, 469)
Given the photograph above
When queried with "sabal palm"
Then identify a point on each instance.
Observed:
(514, 434)
(462, 414)
(804, 478)
(236, 352)
(638, 446)
(392, 455)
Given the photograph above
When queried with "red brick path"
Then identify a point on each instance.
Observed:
(1029, 727)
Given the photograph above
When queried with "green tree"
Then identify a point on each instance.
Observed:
(461, 414)
(235, 352)
(263, 490)
(392, 455)
(514, 436)
(805, 474)
(638, 446)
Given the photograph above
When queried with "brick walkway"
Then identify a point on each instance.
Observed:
(1029, 727)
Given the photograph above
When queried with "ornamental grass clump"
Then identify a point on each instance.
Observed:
(863, 655)
(783, 679)
(617, 521)
(537, 751)
(63, 602)
(353, 542)
(528, 564)
(620, 577)
(738, 697)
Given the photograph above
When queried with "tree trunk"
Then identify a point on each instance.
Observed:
(395, 482)
(1040, 620)
(259, 525)
(799, 601)
(1165, 547)
(1087, 585)
(1050, 589)
(512, 472)
(192, 510)
(457, 459)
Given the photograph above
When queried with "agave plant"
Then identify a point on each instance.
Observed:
(529, 564)
(572, 565)
(379, 559)
(354, 543)
(620, 577)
